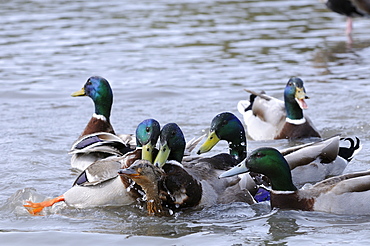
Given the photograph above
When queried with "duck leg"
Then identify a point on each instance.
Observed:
(349, 30)
(349, 26)
(35, 208)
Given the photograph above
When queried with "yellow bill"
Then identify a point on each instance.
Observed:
(162, 156)
(210, 142)
(147, 152)
(79, 93)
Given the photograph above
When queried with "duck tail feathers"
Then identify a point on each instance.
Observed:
(190, 146)
(349, 152)
(252, 97)
(245, 105)
(261, 94)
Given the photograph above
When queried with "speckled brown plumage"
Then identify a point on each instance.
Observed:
(136, 190)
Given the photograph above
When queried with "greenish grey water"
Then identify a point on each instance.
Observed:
(177, 61)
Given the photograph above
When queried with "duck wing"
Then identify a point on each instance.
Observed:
(352, 182)
(105, 169)
(100, 142)
(326, 150)
(183, 190)
(96, 146)
(264, 116)
(128, 139)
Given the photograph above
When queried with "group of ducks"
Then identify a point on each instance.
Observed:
(120, 170)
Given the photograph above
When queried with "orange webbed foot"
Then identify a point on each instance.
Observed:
(35, 208)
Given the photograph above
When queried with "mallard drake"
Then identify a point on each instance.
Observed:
(147, 135)
(310, 163)
(194, 183)
(226, 126)
(99, 184)
(269, 118)
(349, 8)
(99, 90)
(344, 194)
(98, 140)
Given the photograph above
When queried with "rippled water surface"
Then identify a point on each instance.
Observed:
(177, 61)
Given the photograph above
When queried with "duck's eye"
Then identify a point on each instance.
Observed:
(290, 83)
(173, 133)
(147, 129)
(224, 123)
(259, 155)
(88, 82)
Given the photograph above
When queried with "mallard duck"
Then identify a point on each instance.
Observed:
(226, 126)
(149, 177)
(194, 183)
(310, 163)
(269, 118)
(344, 194)
(99, 184)
(99, 90)
(349, 8)
(147, 135)
(98, 140)
(154, 181)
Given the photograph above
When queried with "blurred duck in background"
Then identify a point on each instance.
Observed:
(351, 9)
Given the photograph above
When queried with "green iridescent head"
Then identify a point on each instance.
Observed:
(294, 95)
(99, 90)
(226, 126)
(172, 143)
(147, 134)
(269, 162)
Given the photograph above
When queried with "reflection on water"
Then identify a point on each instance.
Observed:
(338, 55)
(177, 61)
(282, 226)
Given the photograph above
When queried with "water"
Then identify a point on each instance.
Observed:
(177, 61)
